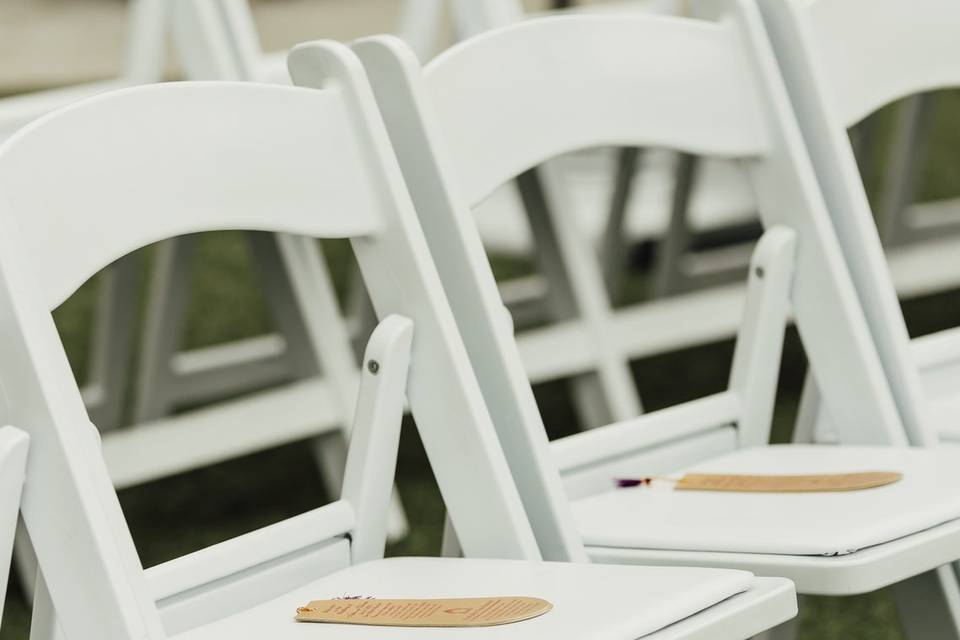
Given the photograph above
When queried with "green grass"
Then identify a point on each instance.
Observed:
(193, 510)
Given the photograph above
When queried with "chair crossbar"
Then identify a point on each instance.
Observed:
(178, 443)
(647, 431)
(638, 331)
(244, 552)
(212, 373)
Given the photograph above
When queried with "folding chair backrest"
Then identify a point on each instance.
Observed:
(90, 183)
(507, 100)
(841, 61)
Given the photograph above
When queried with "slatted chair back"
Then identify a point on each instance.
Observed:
(501, 103)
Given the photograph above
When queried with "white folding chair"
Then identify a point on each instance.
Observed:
(309, 162)
(13, 459)
(472, 119)
(838, 70)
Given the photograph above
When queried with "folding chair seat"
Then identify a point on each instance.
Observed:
(658, 525)
(472, 119)
(294, 161)
(837, 74)
(582, 593)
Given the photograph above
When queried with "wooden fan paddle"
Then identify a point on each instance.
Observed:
(448, 612)
(772, 483)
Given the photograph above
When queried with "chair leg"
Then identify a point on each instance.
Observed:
(929, 605)
(668, 273)
(43, 624)
(902, 172)
(616, 243)
(167, 300)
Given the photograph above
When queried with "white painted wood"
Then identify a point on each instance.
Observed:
(487, 157)
(143, 62)
(450, 160)
(794, 32)
(159, 448)
(188, 572)
(90, 573)
(754, 374)
(814, 281)
(236, 593)
(229, 123)
(662, 457)
(369, 473)
(70, 508)
(828, 524)
(646, 432)
(664, 200)
(854, 573)
(831, 88)
(221, 42)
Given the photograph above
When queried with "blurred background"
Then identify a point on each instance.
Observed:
(53, 43)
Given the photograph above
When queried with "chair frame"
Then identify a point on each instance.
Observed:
(67, 479)
(731, 63)
(329, 146)
(915, 250)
